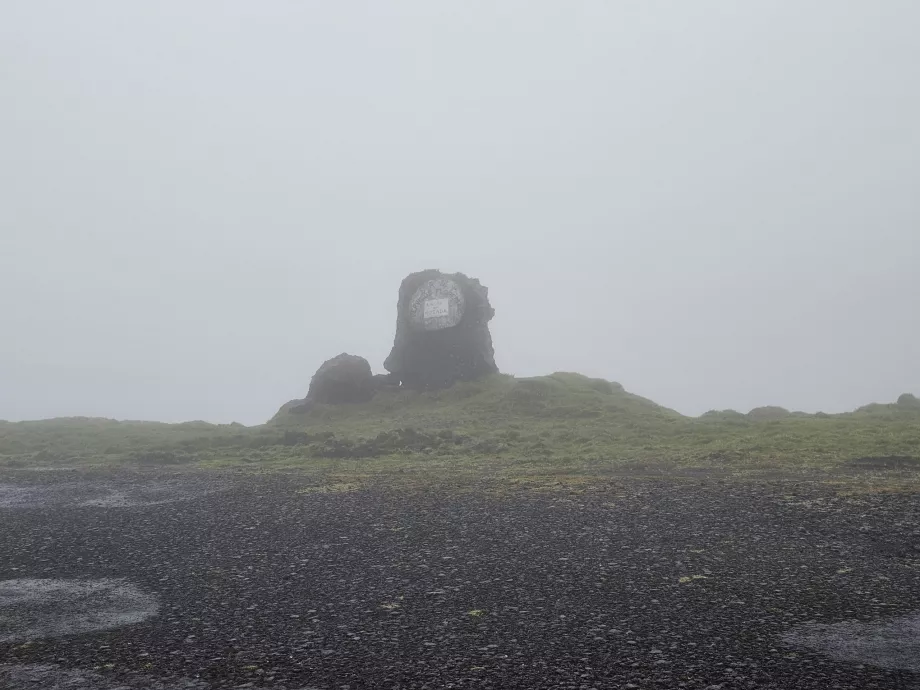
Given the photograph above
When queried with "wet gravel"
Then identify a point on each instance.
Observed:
(47, 607)
(122, 492)
(634, 583)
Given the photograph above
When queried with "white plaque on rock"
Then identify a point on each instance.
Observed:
(437, 308)
(436, 305)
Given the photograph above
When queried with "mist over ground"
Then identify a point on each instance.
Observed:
(713, 204)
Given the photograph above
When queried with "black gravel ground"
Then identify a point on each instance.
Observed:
(629, 584)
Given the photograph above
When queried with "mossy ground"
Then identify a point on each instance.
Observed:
(563, 425)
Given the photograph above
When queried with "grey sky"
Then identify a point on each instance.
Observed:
(715, 203)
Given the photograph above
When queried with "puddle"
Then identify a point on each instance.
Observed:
(892, 644)
(54, 677)
(33, 608)
(105, 494)
(150, 494)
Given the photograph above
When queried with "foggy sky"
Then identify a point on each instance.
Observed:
(716, 204)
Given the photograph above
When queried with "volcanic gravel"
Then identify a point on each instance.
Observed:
(630, 583)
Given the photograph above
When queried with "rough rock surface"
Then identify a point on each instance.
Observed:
(343, 379)
(442, 331)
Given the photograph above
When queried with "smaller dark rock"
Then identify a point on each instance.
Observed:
(340, 380)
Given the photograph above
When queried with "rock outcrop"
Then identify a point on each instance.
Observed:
(909, 400)
(343, 379)
(442, 331)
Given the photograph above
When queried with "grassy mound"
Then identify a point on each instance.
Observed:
(565, 416)
(559, 414)
(553, 420)
(768, 413)
(81, 436)
(492, 402)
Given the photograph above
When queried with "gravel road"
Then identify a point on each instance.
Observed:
(257, 581)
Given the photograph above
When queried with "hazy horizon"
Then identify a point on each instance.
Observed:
(715, 204)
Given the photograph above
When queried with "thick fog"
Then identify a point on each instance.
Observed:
(715, 203)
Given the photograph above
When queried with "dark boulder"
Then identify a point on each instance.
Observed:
(442, 331)
(343, 379)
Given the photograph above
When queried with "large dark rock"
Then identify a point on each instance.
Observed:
(343, 379)
(442, 331)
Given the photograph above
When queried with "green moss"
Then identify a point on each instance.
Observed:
(548, 424)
